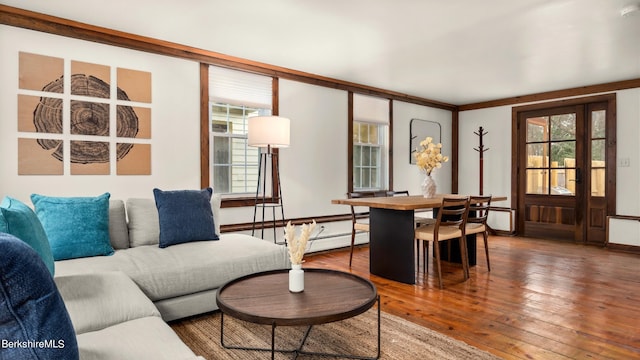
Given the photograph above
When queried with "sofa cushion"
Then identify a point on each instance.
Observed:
(18, 219)
(185, 216)
(119, 261)
(144, 225)
(197, 266)
(31, 308)
(118, 229)
(187, 305)
(75, 226)
(216, 201)
(186, 268)
(144, 338)
(99, 300)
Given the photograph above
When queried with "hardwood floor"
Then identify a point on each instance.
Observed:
(542, 299)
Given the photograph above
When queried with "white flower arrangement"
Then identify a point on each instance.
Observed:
(428, 156)
(297, 245)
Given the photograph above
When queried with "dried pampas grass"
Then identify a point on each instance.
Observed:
(298, 245)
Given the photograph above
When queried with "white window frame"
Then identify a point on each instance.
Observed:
(242, 174)
(251, 94)
(372, 111)
(359, 170)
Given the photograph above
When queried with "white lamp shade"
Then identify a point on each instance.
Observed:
(270, 131)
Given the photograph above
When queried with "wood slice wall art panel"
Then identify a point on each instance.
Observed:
(32, 107)
(134, 122)
(137, 161)
(89, 118)
(34, 160)
(136, 83)
(90, 79)
(35, 72)
(89, 158)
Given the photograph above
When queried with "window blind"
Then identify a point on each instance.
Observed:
(370, 109)
(239, 88)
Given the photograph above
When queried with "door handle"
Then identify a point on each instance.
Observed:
(578, 176)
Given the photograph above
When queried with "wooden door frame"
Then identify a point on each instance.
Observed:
(611, 157)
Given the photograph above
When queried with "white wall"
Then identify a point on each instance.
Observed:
(496, 122)
(497, 161)
(628, 147)
(175, 149)
(313, 169)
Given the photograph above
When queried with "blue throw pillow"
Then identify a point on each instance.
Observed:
(76, 226)
(35, 321)
(17, 219)
(185, 215)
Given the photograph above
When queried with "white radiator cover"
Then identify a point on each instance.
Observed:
(624, 231)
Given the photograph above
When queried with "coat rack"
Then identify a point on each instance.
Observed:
(481, 150)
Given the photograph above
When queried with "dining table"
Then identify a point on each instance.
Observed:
(392, 232)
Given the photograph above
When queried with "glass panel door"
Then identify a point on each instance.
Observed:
(552, 172)
(565, 169)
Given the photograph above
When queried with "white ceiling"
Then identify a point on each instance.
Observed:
(454, 51)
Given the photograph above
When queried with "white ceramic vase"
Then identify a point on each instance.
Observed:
(296, 278)
(428, 187)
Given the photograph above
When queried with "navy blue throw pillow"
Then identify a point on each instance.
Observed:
(35, 322)
(185, 216)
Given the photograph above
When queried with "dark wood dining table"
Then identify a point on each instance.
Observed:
(391, 232)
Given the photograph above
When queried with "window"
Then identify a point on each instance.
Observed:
(235, 165)
(234, 97)
(368, 145)
(370, 162)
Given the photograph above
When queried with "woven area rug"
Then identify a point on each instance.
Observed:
(400, 339)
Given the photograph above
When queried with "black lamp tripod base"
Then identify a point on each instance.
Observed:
(274, 201)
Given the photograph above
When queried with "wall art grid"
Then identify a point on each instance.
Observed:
(71, 120)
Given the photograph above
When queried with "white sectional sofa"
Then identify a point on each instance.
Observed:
(119, 304)
(181, 280)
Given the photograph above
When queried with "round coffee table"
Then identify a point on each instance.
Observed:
(328, 296)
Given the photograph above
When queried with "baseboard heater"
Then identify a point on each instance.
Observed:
(623, 233)
(319, 243)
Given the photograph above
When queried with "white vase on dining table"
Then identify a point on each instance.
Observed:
(428, 187)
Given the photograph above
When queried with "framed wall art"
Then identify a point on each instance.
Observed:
(76, 122)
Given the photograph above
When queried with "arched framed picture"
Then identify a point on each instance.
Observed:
(418, 130)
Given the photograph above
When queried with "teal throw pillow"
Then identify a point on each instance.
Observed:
(17, 219)
(76, 226)
(185, 216)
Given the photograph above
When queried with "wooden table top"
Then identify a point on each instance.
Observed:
(414, 202)
(329, 295)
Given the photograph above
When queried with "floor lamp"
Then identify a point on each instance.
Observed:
(268, 133)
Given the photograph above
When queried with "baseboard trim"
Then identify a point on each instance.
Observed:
(624, 248)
